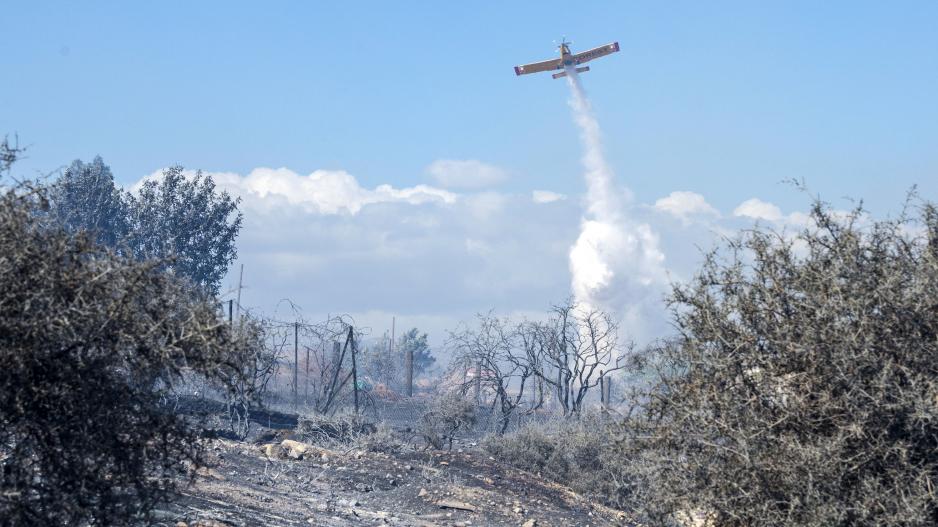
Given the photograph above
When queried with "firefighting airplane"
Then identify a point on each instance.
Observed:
(567, 60)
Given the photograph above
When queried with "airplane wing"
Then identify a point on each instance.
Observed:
(547, 65)
(595, 53)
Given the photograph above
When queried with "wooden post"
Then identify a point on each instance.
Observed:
(296, 360)
(608, 393)
(409, 370)
(306, 382)
(602, 390)
(231, 313)
(351, 336)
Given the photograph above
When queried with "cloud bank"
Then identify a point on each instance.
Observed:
(433, 257)
(465, 174)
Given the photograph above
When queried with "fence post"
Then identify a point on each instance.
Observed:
(602, 390)
(231, 313)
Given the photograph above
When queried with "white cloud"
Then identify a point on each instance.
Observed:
(546, 196)
(422, 253)
(683, 205)
(484, 205)
(322, 191)
(757, 209)
(465, 174)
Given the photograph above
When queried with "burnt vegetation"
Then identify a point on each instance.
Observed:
(89, 342)
(800, 386)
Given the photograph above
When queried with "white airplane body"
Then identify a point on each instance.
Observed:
(567, 60)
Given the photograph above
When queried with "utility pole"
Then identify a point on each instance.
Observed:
(390, 354)
(240, 280)
(478, 386)
(296, 360)
(351, 336)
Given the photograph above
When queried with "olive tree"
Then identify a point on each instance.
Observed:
(84, 197)
(188, 224)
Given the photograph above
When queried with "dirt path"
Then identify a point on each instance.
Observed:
(338, 488)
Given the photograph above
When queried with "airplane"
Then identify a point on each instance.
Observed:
(567, 60)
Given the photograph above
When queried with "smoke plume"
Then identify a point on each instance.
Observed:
(615, 264)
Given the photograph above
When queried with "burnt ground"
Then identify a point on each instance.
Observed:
(350, 486)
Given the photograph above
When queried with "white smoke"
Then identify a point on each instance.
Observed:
(616, 264)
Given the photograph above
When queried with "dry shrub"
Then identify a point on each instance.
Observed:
(88, 342)
(802, 388)
(349, 432)
(578, 452)
(447, 416)
(331, 431)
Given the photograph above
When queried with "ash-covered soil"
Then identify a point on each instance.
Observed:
(281, 482)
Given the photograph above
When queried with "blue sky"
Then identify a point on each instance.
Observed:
(722, 99)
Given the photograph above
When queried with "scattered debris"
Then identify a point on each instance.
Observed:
(453, 504)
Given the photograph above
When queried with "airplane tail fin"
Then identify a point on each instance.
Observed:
(564, 73)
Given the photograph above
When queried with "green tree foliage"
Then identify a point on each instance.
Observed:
(379, 364)
(85, 198)
(803, 386)
(386, 366)
(89, 340)
(413, 340)
(187, 223)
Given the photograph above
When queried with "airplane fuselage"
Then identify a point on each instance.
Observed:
(566, 57)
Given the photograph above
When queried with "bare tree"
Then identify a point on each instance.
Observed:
(488, 352)
(330, 345)
(260, 345)
(573, 351)
(9, 153)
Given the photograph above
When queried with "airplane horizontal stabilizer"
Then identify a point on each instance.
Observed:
(564, 73)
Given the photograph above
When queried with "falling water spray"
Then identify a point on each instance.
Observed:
(615, 263)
